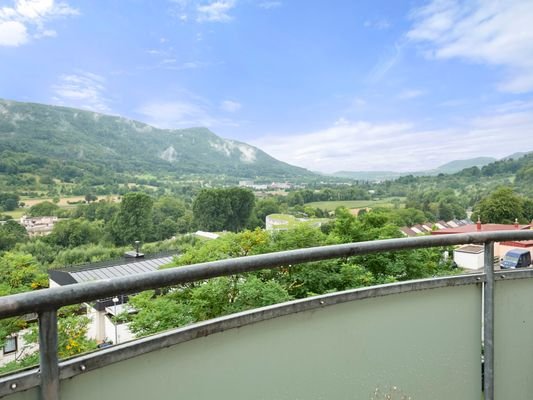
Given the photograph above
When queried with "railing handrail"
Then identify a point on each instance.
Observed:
(53, 298)
(85, 266)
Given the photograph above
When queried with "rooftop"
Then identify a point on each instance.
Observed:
(483, 228)
(112, 269)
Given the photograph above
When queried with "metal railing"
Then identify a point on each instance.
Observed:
(46, 302)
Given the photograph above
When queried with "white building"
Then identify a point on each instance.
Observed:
(469, 256)
(38, 226)
(15, 347)
(207, 235)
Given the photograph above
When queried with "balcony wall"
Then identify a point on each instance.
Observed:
(424, 342)
(421, 339)
(513, 338)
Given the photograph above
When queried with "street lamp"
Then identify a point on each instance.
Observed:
(115, 301)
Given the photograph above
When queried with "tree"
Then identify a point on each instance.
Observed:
(11, 233)
(75, 232)
(503, 206)
(18, 273)
(211, 209)
(169, 207)
(155, 314)
(134, 219)
(72, 332)
(9, 201)
(254, 292)
(166, 213)
(72, 339)
(295, 199)
(227, 246)
(89, 197)
(528, 209)
(242, 202)
(223, 209)
(211, 299)
(43, 209)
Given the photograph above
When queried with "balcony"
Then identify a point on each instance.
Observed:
(421, 339)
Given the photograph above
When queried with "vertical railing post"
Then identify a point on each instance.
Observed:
(488, 322)
(49, 367)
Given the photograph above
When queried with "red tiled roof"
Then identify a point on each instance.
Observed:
(484, 228)
(408, 232)
(523, 243)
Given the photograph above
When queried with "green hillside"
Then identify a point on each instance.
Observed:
(61, 142)
(458, 165)
(448, 168)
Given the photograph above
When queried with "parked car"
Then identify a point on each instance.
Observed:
(516, 258)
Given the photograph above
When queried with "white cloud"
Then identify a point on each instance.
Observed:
(482, 31)
(215, 11)
(181, 114)
(230, 106)
(387, 62)
(174, 113)
(82, 90)
(27, 18)
(410, 94)
(203, 10)
(45, 33)
(267, 5)
(402, 146)
(192, 65)
(379, 24)
(13, 33)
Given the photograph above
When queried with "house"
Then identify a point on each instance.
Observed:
(466, 254)
(429, 227)
(470, 256)
(101, 312)
(280, 185)
(207, 235)
(246, 183)
(38, 226)
(253, 185)
(15, 347)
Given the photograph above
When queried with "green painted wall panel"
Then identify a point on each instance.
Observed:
(427, 343)
(32, 394)
(513, 339)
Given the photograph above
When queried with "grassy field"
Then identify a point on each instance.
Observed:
(332, 205)
(63, 201)
(290, 221)
(16, 214)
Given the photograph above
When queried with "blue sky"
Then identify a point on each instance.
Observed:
(327, 85)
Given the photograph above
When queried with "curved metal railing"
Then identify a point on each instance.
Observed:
(47, 301)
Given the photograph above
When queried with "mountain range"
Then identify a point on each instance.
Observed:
(59, 142)
(448, 168)
(120, 144)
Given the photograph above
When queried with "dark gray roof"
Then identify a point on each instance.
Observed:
(90, 272)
